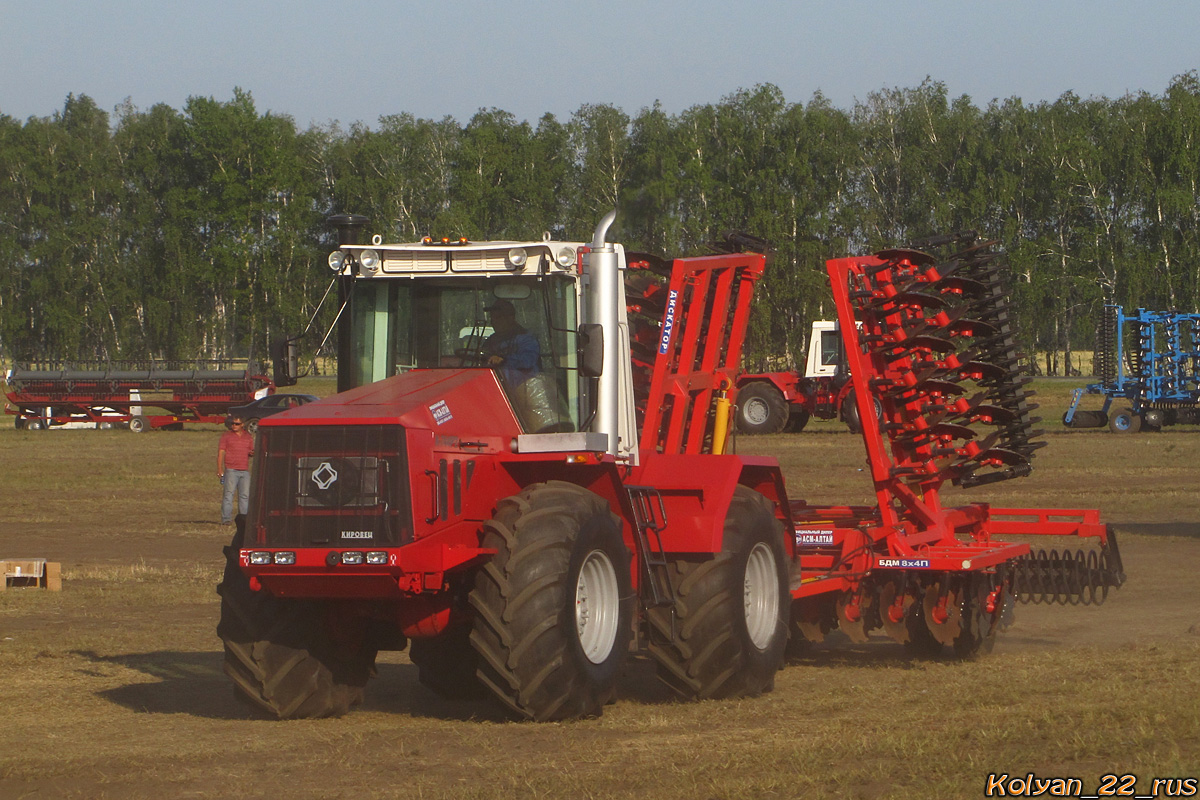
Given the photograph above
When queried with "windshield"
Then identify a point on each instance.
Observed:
(523, 328)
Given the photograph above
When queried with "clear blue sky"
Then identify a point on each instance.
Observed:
(357, 60)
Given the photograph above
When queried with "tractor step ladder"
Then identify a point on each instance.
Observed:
(650, 517)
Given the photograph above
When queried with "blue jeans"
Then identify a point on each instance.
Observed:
(236, 480)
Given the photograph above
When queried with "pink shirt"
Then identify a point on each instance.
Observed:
(238, 448)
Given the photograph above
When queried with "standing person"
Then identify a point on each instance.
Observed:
(233, 467)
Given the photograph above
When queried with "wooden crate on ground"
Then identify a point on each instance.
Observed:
(36, 573)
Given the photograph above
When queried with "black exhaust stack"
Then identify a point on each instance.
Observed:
(349, 227)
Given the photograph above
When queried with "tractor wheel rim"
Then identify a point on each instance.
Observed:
(761, 595)
(597, 606)
(756, 411)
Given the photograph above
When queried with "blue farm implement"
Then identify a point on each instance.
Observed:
(1149, 369)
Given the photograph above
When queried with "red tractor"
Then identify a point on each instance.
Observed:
(770, 402)
(479, 492)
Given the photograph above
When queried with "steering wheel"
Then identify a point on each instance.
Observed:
(472, 356)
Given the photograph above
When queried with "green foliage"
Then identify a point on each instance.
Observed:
(200, 232)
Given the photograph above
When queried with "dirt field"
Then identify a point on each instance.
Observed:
(113, 687)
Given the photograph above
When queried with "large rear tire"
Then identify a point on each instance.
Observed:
(729, 632)
(797, 421)
(761, 408)
(279, 653)
(554, 606)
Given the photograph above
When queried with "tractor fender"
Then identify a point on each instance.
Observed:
(697, 492)
(787, 383)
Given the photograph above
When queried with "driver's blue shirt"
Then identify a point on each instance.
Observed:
(521, 353)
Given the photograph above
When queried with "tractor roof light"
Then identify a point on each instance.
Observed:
(565, 257)
(368, 260)
(517, 257)
(337, 260)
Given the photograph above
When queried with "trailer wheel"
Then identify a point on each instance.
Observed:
(554, 606)
(447, 664)
(1123, 420)
(138, 425)
(279, 653)
(761, 408)
(35, 424)
(729, 630)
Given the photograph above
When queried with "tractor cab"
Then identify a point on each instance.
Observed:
(523, 326)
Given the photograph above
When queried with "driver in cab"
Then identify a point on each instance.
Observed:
(511, 348)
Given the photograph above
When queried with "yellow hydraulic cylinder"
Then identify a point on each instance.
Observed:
(721, 422)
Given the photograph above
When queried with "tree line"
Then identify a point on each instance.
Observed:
(200, 232)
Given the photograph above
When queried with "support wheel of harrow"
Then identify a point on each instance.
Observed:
(761, 408)
(447, 664)
(280, 654)
(730, 625)
(1123, 420)
(554, 606)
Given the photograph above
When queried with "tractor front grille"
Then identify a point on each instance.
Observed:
(330, 486)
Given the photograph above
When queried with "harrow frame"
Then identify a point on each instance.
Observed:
(918, 331)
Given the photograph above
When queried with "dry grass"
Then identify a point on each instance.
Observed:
(113, 687)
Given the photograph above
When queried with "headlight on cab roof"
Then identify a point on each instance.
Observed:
(369, 260)
(517, 256)
(337, 260)
(565, 257)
